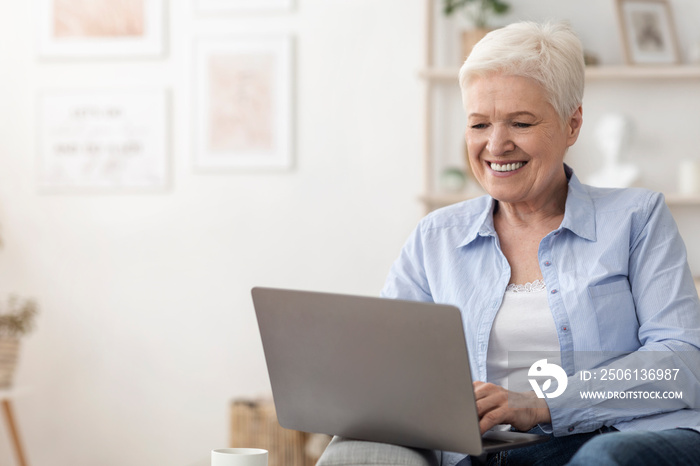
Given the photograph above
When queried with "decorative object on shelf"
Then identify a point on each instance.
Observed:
(16, 320)
(111, 139)
(243, 99)
(689, 176)
(218, 6)
(648, 32)
(452, 180)
(614, 132)
(100, 28)
(590, 58)
(478, 13)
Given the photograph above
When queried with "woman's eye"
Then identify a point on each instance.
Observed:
(522, 125)
(479, 126)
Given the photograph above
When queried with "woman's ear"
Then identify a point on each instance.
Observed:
(573, 125)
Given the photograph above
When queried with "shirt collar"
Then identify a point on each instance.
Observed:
(483, 223)
(579, 213)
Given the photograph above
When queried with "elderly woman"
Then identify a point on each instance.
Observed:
(547, 265)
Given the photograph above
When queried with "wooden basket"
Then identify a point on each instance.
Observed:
(254, 425)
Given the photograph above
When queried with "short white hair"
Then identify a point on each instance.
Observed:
(549, 53)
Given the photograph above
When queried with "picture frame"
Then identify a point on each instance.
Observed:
(243, 103)
(242, 6)
(648, 32)
(83, 29)
(102, 140)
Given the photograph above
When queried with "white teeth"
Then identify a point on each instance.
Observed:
(508, 167)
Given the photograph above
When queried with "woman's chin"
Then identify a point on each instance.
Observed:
(503, 193)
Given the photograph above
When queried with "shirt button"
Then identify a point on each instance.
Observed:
(555, 291)
(556, 233)
(571, 429)
(547, 263)
(565, 328)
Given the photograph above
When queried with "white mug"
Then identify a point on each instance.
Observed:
(239, 457)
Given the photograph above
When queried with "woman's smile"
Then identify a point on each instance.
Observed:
(503, 168)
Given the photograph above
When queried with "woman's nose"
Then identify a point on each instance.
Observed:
(499, 141)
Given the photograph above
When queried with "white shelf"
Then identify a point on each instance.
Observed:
(443, 199)
(643, 72)
(593, 73)
(439, 74)
(675, 199)
(436, 200)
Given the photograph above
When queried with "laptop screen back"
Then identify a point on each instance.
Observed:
(365, 368)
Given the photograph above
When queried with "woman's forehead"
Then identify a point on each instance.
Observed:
(506, 94)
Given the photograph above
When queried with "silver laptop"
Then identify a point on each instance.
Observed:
(373, 369)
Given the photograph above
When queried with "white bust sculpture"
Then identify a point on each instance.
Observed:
(614, 133)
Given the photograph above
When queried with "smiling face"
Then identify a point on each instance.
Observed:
(516, 140)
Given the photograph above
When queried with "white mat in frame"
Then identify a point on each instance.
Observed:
(102, 140)
(100, 28)
(243, 101)
(242, 5)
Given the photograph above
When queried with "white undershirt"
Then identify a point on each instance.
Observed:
(523, 323)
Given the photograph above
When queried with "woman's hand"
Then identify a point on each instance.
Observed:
(496, 405)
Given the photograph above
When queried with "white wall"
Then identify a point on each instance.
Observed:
(147, 330)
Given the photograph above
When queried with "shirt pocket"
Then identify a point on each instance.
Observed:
(616, 315)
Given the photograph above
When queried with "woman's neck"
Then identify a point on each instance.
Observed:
(536, 214)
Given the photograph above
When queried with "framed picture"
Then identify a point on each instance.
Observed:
(100, 28)
(211, 6)
(101, 140)
(243, 100)
(648, 32)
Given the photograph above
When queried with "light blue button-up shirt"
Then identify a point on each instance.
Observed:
(617, 280)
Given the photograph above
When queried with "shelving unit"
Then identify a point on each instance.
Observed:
(433, 77)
